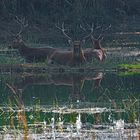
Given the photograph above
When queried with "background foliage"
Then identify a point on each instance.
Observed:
(42, 15)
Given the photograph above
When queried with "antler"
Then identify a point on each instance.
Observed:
(63, 31)
(23, 24)
(93, 28)
(103, 30)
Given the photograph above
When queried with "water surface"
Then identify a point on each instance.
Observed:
(94, 105)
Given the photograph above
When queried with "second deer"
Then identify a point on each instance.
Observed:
(31, 54)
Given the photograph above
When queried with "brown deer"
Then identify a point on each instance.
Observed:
(96, 51)
(30, 54)
(70, 57)
(67, 57)
(85, 55)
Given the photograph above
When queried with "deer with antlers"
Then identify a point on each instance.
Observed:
(96, 51)
(30, 54)
(70, 57)
(78, 55)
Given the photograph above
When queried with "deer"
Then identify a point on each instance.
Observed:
(30, 54)
(67, 57)
(96, 51)
(85, 55)
(70, 57)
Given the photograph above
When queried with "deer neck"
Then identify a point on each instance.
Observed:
(98, 46)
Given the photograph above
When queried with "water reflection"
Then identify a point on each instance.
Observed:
(74, 81)
(95, 105)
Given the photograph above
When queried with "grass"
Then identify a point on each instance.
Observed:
(130, 66)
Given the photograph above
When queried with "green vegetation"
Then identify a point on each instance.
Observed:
(11, 60)
(130, 66)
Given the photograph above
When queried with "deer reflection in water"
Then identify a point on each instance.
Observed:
(75, 81)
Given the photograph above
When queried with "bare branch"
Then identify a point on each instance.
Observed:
(93, 29)
(23, 24)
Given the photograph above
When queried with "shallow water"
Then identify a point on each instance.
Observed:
(94, 105)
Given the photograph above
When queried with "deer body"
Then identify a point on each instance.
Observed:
(68, 57)
(71, 58)
(35, 54)
(32, 54)
(92, 53)
(99, 52)
(61, 57)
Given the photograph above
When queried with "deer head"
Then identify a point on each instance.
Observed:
(17, 41)
(97, 40)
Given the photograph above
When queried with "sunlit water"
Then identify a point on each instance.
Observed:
(98, 105)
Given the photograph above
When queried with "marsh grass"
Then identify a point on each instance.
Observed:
(21, 125)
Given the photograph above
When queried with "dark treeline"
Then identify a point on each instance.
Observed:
(47, 13)
(71, 10)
